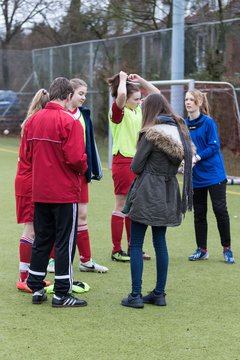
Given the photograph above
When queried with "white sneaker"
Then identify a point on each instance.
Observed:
(92, 266)
(51, 266)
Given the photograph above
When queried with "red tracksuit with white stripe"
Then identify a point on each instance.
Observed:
(55, 148)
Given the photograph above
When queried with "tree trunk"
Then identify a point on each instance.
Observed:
(5, 66)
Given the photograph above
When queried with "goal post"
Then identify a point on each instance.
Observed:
(223, 101)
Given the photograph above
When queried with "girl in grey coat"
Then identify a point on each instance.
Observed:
(155, 198)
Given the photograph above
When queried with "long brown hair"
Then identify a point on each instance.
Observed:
(113, 83)
(38, 102)
(155, 105)
(200, 99)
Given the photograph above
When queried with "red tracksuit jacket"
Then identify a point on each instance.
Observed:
(23, 179)
(55, 148)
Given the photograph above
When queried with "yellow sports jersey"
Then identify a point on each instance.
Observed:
(125, 133)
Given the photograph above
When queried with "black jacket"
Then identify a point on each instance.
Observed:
(94, 171)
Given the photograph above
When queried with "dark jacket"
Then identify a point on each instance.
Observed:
(94, 171)
(155, 197)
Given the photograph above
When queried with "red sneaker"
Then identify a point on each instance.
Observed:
(22, 285)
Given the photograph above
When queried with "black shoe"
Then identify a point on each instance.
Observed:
(39, 296)
(67, 301)
(154, 299)
(133, 301)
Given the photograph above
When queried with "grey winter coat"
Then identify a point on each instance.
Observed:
(155, 197)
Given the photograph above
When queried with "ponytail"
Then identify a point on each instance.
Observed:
(38, 102)
(205, 108)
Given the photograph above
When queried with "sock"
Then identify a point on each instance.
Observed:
(25, 251)
(117, 229)
(128, 229)
(52, 253)
(225, 248)
(83, 243)
(204, 250)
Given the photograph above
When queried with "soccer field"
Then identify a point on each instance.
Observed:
(201, 320)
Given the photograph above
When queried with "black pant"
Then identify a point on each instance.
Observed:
(218, 197)
(54, 224)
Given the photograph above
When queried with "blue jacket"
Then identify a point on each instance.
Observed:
(94, 171)
(210, 169)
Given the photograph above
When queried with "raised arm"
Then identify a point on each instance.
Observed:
(146, 85)
(122, 90)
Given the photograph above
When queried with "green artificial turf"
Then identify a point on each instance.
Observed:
(200, 321)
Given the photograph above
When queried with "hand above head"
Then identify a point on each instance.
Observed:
(123, 76)
(134, 77)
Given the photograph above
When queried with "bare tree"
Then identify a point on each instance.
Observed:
(214, 50)
(145, 15)
(17, 15)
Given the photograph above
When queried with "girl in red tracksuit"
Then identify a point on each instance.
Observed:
(23, 195)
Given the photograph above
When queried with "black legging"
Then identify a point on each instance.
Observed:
(218, 197)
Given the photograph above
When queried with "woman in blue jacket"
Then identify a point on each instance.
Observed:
(209, 176)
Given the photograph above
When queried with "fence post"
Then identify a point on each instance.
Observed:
(143, 55)
(50, 65)
(177, 66)
(70, 60)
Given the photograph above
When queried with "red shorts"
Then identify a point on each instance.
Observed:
(84, 190)
(24, 209)
(122, 176)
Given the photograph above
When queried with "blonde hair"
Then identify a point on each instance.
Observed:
(76, 83)
(38, 102)
(200, 99)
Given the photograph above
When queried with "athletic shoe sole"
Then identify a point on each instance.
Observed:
(120, 260)
(69, 304)
(92, 269)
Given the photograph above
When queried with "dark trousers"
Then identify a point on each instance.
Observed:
(218, 198)
(54, 224)
(136, 245)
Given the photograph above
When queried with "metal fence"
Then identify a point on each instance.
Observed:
(224, 108)
(209, 47)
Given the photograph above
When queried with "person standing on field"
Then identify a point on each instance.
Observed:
(209, 176)
(23, 196)
(94, 172)
(55, 148)
(154, 199)
(125, 119)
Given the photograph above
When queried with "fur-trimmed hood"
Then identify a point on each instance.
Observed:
(167, 139)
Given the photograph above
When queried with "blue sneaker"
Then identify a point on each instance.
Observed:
(198, 255)
(228, 256)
